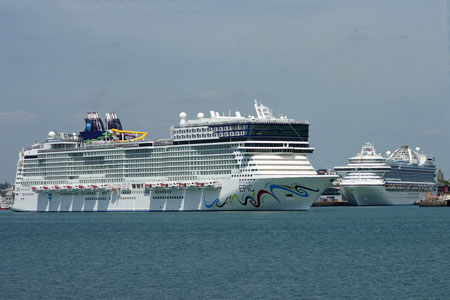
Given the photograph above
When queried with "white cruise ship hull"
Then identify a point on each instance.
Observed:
(291, 193)
(377, 195)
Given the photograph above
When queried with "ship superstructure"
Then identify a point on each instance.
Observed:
(209, 163)
(400, 178)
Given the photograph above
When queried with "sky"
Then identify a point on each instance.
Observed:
(358, 70)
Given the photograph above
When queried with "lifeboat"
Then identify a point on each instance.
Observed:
(164, 185)
(33, 188)
(181, 184)
(126, 187)
(69, 187)
(45, 188)
(100, 186)
(81, 186)
(148, 185)
(95, 186)
(112, 188)
(57, 187)
(199, 184)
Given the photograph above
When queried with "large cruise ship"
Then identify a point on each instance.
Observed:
(401, 178)
(209, 163)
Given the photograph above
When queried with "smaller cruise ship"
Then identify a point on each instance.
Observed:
(400, 178)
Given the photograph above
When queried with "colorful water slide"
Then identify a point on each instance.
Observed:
(142, 135)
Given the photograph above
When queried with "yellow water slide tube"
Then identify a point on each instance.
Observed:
(142, 135)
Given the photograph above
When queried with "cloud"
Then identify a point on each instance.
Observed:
(211, 95)
(12, 115)
(432, 132)
(358, 34)
(399, 37)
(358, 37)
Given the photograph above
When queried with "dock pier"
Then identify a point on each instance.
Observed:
(434, 203)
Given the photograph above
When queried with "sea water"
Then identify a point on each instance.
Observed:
(324, 253)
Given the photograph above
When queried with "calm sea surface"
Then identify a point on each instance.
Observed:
(331, 253)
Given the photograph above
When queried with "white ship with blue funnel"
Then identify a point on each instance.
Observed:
(210, 163)
(400, 178)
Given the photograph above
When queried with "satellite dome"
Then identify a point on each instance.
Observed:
(51, 135)
(183, 117)
(388, 153)
(417, 149)
(200, 115)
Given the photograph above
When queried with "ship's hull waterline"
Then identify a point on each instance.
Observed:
(377, 195)
(296, 193)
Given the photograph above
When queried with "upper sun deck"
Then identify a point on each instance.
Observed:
(368, 154)
(406, 155)
(215, 129)
(264, 116)
(367, 160)
(222, 127)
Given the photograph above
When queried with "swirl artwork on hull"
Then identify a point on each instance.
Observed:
(255, 198)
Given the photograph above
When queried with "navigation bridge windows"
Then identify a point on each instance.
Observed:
(265, 131)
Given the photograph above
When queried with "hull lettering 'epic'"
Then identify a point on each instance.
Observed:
(401, 178)
(210, 163)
